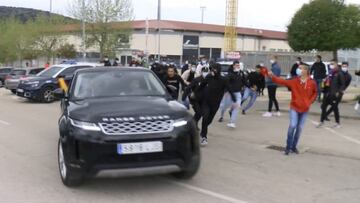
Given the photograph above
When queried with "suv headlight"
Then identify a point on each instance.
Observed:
(85, 125)
(179, 123)
(33, 84)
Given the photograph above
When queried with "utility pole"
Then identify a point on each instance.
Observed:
(50, 7)
(158, 25)
(203, 8)
(83, 30)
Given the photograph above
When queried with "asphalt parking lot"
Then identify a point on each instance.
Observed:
(236, 166)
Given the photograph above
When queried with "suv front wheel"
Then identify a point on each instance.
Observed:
(69, 177)
(47, 95)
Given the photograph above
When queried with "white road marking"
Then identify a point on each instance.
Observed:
(207, 192)
(4, 122)
(353, 140)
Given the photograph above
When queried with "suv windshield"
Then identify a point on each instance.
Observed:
(50, 72)
(116, 83)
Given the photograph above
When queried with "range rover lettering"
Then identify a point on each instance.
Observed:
(122, 121)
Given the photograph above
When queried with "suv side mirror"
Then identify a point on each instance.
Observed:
(59, 93)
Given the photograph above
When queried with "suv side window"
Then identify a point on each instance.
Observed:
(68, 72)
(35, 71)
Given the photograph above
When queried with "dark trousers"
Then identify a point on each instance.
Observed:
(208, 114)
(196, 105)
(331, 107)
(272, 98)
(333, 102)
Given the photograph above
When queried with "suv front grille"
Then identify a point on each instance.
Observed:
(137, 127)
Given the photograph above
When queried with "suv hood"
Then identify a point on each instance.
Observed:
(95, 110)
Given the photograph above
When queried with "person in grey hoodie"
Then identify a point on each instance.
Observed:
(272, 87)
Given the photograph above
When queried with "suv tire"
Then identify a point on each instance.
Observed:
(47, 95)
(190, 171)
(13, 91)
(69, 176)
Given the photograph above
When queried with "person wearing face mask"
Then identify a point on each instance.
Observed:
(272, 87)
(333, 92)
(303, 94)
(106, 61)
(185, 67)
(189, 74)
(236, 80)
(253, 83)
(295, 67)
(318, 70)
(203, 63)
(212, 90)
(348, 78)
(194, 95)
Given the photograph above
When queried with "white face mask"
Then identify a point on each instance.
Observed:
(237, 70)
(204, 74)
(272, 61)
(193, 69)
(298, 62)
(332, 67)
(344, 69)
(262, 64)
(106, 59)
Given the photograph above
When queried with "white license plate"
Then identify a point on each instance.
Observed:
(20, 90)
(140, 147)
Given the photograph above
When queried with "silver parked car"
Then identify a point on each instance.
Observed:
(13, 79)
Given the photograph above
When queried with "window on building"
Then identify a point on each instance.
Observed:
(205, 52)
(215, 53)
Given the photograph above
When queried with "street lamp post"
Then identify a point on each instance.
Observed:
(202, 13)
(83, 31)
(159, 30)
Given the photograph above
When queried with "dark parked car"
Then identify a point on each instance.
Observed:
(41, 87)
(3, 73)
(16, 75)
(122, 121)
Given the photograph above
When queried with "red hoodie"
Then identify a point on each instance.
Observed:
(303, 94)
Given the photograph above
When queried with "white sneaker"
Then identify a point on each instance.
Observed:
(357, 106)
(337, 125)
(320, 125)
(278, 114)
(204, 142)
(267, 115)
(231, 125)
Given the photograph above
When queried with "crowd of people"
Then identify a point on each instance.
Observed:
(207, 91)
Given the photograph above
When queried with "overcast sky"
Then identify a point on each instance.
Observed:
(264, 14)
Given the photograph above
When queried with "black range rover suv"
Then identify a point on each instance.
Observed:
(122, 121)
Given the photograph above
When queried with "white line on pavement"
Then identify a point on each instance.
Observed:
(4, 122)
(353, 140)
(208, 192)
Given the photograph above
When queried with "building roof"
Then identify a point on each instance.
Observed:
(190, 26)
(186, 26)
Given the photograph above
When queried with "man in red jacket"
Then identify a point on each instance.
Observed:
(303, 94)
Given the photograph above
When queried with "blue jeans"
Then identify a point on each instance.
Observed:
(235, 107)
(249, 93)
(297, 122)
(318, 85)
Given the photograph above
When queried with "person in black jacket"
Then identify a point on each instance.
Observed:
(116, 62)
(211, 90)
(318, 70)
(172, 81)
(295, 67)
(333, 91)
(253, 83)
(236, 80)
(348, 78)
(107, 61)
(195, 97)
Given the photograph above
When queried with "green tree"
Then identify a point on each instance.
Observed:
(325, 25)
(66, 51)
(100, 16)
(17, 40)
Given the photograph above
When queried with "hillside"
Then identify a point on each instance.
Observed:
(25, 14)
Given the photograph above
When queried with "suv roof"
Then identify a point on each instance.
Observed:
(78, 64)
(107, 68)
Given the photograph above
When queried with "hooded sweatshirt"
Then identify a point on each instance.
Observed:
(303, 94)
